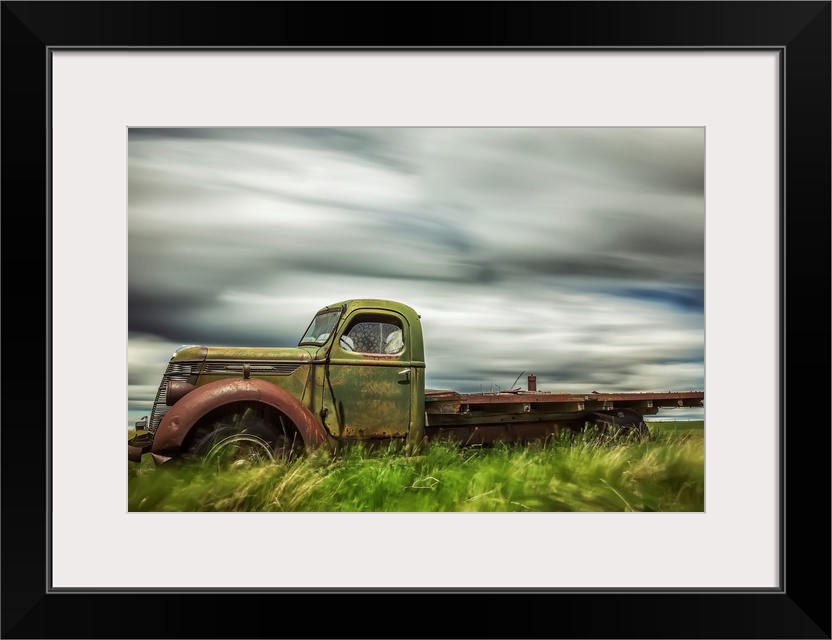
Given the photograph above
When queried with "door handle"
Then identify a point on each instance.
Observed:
(406, 373)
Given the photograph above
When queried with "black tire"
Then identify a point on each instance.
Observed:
(633, 424)
(621, 424)
(244, 439)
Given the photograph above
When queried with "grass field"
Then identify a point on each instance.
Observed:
(665, 473)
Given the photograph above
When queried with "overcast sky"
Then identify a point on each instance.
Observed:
(573, 254)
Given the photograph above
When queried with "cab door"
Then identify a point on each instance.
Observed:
(368, 380)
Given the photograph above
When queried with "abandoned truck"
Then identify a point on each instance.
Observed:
(357, 374)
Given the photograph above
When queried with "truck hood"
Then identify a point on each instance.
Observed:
(288, 354)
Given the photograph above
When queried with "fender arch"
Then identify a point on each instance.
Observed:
(182, 416)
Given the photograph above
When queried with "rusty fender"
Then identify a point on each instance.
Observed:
(183, 415)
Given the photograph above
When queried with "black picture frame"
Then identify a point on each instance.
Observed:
(799, 608)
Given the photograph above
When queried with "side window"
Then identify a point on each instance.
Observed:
(368, 335)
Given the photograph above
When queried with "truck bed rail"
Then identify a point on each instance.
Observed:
(439, 401)
(521, 415)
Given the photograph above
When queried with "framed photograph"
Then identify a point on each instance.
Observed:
(493, 279)
(91, 87)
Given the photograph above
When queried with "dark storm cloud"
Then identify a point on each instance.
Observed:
(176, 278)
(668, 237)
(358, 144)
(657, 163)
(612, 265)
(163, 314)
(656, 160)
(684, 299)
(176, 318)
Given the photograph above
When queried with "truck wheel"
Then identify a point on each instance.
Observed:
(631, 424)
(621, 424)
(227, 447)
(599, 427)
(245, 440)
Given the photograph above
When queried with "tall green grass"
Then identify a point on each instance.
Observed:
(665, 473)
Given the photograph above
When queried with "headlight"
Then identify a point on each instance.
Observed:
(176, 390)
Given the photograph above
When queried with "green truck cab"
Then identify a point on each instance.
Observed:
(357, 374)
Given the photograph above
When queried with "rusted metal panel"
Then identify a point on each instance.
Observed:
(184, 414)
(138, 445)
(498, 419)
(445, 407)
(488, 434)
(441, 395)
(435, 400)
(176, 390)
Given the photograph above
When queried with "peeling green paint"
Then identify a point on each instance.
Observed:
(194, 352)
(354, 395)
(367, 402)
(294, 383)
(259, 353)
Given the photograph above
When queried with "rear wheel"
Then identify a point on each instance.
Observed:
(245, 438)
(621, 424)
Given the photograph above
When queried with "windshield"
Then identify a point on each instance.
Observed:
(322, 325)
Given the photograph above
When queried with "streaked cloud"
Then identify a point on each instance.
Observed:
(574, 254)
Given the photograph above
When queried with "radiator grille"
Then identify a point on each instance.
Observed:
(180, 370)
(266, 368)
